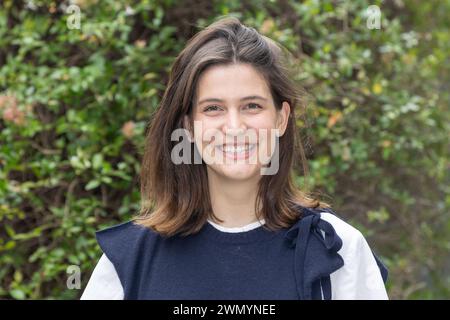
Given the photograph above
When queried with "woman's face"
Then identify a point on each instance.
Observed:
(235, 121)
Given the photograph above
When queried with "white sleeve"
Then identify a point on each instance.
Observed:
(104, 283)
(360, 277)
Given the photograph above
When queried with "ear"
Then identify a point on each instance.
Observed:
(187, 126)
(283, 117)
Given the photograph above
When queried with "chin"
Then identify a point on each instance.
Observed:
(237, 172)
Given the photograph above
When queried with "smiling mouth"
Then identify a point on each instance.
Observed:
(236, 149)
(237, 152)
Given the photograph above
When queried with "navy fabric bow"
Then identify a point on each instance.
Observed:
(315, 256)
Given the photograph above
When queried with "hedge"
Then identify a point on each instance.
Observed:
(75, 104)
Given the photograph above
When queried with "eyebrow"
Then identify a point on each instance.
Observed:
(254, 97)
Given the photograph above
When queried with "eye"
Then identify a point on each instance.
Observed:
(253, 106)
(212, 108)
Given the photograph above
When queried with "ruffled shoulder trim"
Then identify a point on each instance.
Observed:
(124, 242)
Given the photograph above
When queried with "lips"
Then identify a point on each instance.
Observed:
(237, 152)
(229, 148)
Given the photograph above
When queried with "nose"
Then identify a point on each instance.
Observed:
(234, 125)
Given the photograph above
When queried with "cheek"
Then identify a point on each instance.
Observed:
(264, 128)
(207, 132)
(266, 140)
(265, 120)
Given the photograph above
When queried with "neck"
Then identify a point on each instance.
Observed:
(233, 201)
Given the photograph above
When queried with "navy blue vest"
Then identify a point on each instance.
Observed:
(288, 264)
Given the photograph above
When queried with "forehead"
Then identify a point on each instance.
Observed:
(231, 81)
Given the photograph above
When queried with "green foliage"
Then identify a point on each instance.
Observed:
(74, 104)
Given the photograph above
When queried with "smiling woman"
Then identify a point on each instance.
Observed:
(228, 229)
(233, 80)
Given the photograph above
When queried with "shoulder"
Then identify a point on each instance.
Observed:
(361, 277)
(126, 231)
(348, 233)
(354, 244)
(125, 239)
(123, 229)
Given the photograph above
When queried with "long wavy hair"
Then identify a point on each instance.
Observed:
(175, 198)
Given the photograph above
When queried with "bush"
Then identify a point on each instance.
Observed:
(74, 105)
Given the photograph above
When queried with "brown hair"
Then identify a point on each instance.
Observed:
(175, 197)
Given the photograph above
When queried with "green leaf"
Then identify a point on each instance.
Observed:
(92, 184)
(17, 294)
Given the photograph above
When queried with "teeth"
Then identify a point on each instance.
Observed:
(237, 149)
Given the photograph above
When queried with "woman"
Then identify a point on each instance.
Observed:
(221, 217)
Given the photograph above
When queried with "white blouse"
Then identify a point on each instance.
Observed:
(358, 279)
